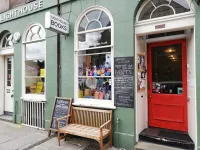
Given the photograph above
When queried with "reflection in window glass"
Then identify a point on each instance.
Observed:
(162, 11)
(93, 15)
(93, 25)
(167, 69)
(104, 19)
(35, 51)
(94, 39)
(94, 72)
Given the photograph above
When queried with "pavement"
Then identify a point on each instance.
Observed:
(18, 137)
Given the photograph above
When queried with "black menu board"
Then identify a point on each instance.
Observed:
(61, 108)
(124, 82)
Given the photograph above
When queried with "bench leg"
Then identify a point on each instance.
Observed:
(101, 144)
(59, 138)
(65, 135)
(111, 140)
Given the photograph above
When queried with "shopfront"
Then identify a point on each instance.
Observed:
(153, 44)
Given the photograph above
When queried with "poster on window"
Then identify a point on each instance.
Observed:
(141, 72)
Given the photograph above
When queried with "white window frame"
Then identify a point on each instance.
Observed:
(158, 19)
(9, 50)
(93, 102)
(32, 97)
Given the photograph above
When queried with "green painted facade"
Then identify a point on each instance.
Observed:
(123, 12)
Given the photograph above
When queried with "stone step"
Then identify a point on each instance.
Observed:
(150, 146)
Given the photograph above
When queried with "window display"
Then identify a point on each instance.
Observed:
(94, 57)
(35, 61)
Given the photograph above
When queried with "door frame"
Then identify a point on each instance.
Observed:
(184, 80)
(12, 81)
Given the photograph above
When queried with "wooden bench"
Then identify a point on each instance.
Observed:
(88, 123)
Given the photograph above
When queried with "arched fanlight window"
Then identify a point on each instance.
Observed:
(7, 40)
(160, 8)
(35, 33)
(34, 60)
(94, 56)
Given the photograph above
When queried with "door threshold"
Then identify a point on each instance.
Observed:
(7, 118)
(167, 137)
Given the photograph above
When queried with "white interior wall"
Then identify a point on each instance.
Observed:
(1, 85)
(141, 96)
(191, 82)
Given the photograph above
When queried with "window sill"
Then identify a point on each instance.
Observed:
(34, 98)
(103, 106)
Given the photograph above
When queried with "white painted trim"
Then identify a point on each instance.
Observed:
(7, 51)
(2, 85)
(32, 97)
(93, 102)
(176, 22)
(192, 8)
(175, 37)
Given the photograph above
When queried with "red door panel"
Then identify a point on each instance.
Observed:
(167, 85)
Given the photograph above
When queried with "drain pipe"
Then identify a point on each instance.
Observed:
(58, 54)
(117, 122)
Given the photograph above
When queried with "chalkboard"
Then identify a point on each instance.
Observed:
(124, 70)
(61, 108)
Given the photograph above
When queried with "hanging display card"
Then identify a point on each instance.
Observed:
(61, 108)
(124, 81)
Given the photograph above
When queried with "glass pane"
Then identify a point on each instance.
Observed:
(29, 36)
(35, 37)
(95, 88)
(8, 83)
(35, 68)
(8, 71)
(35, 29)
(94, 65)
(42, 34)
(105, 20)
(162, 11)
(34, 85)
(93, 25)
(180, 6)
(94, 39)
(167, 69)
(83, 24)
(146, 12)
(35, 51)
(160, 2)
(93, 15)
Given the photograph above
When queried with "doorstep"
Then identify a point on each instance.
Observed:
(167, 137)
(7, 118)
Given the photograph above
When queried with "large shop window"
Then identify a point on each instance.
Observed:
(94, 58)
(34, 61)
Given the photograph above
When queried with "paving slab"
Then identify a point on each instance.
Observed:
(17, 137)
(72, 143)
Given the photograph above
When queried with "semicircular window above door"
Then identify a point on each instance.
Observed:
(161, 8)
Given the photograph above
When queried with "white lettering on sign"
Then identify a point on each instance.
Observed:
(21, 10)
(56, 23)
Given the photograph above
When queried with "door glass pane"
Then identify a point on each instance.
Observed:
(9, 71)
(167, 69)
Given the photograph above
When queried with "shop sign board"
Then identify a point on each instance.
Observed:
(20, 11)
(123, 81)
(56, 23)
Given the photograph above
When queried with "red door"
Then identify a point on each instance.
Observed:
(167, 85)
